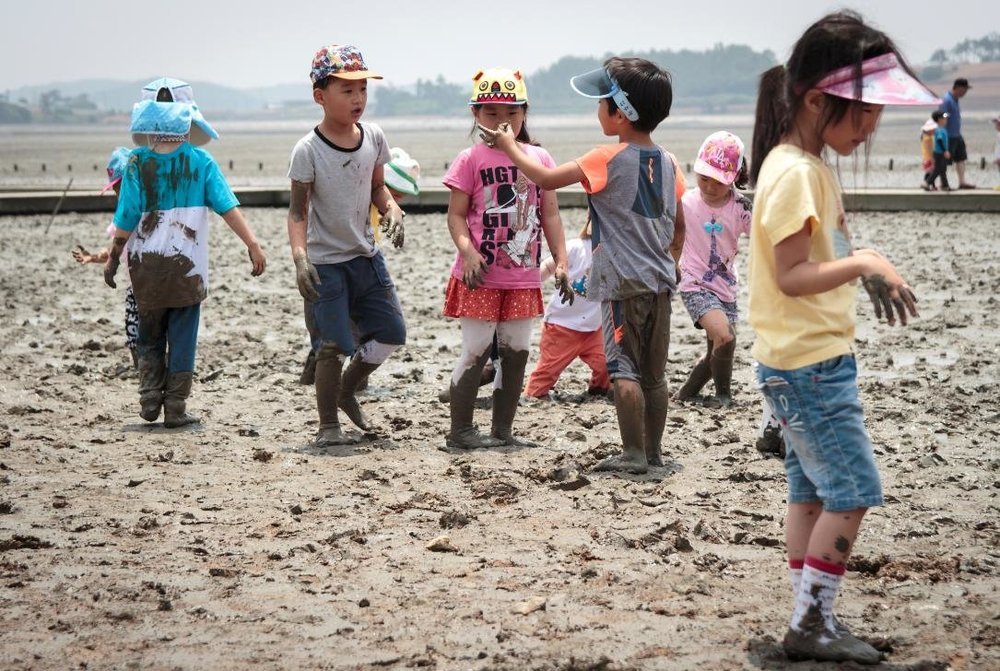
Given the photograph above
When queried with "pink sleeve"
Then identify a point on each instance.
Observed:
(458, 175)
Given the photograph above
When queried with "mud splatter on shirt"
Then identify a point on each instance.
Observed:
(165, 201)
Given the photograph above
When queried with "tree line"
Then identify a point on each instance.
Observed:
(719, 79)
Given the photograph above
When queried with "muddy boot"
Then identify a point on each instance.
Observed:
(308, 375)
(824, 645)
(630, 405)
(329, 369)
(771, 443)
(152, 379)
(722, 376)
(175, 401)
(505, 399)
(462, 398)
(357, 371)
(655, 418)
(699, 375)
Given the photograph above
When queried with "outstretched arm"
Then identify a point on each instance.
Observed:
(234, 219)
(81, 255)
(547, 178)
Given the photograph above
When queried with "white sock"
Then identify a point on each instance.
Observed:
(818, 589)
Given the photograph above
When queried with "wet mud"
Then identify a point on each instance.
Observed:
(236, 544)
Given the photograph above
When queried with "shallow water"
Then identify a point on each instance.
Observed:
(255, 153)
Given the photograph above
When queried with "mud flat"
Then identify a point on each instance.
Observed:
(235, 545)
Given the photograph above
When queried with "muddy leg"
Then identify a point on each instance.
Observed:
(356, 373)
(699, 375)
(329, 368)
(152, 379)
(655, 419)
(631, 408)
(462, 398)
(505, 399)
(175, 396)
(722, 375)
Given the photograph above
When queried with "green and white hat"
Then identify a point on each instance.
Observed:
(402, 173)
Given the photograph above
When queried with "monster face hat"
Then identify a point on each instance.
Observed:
(498, 86)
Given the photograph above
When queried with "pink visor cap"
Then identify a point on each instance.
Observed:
(883, 82)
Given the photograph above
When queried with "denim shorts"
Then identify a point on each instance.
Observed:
(829, 453)
(357, 303)
(698, 303)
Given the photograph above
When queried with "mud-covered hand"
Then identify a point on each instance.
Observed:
(501, 137)
(391, 224)
(473, 269)
(306, 276)
(889, 296)
(566, 293)
(81, 255)
(110, 269)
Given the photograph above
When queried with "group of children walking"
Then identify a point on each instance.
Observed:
(647, 238)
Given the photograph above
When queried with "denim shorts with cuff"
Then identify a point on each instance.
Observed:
(829, 453)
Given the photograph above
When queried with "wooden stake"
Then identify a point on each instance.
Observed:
(58, 205)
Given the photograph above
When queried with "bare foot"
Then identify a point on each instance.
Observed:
(620, 462)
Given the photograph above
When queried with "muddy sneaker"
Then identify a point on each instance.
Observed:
(772, 443)
(823, 645)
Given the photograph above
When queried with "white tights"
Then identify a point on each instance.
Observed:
(477, 338)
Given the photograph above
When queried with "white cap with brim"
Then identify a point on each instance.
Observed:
(599, 84)
(401, 173)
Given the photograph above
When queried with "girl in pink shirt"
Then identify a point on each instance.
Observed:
(496, 216)
(716, 215)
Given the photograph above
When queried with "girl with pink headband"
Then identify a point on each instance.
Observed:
(802, 276)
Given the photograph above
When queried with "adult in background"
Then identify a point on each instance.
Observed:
(956, 143)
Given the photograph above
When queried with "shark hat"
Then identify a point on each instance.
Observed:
(167, 107)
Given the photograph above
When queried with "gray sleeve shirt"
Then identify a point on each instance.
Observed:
(339, 202)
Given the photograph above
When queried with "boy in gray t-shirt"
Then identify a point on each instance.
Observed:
(638, 232)
(337, 175)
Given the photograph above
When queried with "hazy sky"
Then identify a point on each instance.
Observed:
(262, 42)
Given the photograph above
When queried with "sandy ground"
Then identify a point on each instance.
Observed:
(236, 545)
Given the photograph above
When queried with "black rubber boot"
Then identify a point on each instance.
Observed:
(722, 375)
(462, 399)
(356, 373)
(175, 401)
(506, 398)
(152, 379)
(329, 369)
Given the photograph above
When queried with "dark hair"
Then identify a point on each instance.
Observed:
(524, 136)
(937, 114)
(837, 40)
(648, 87)
(163, 95)
(743, 176)
(321, 82)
